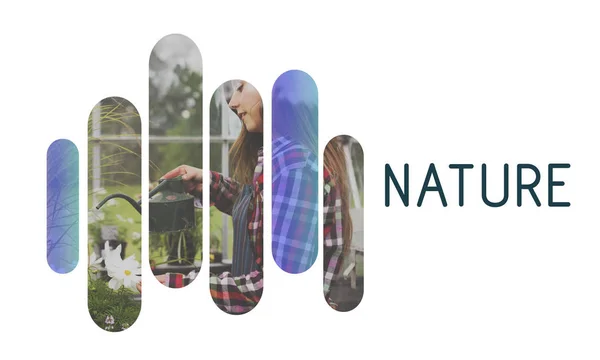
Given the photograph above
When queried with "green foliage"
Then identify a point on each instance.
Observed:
(176, 113)
(180, 107)
(119, 170)
(215, 243)
(119, 215)
(120, 161)
(106, 304)
(163, 247)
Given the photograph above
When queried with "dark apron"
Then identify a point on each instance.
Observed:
(244, 258)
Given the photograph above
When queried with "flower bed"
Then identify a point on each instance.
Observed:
(112, 289)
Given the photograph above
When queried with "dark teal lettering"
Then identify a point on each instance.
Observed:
(484, 187)
(461, 180)
(389, 175)
(438, 187)
(552, 184)
(521, 186)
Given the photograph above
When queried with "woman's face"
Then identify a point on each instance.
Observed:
(247, 104)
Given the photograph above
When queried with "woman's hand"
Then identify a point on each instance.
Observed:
(192, 178)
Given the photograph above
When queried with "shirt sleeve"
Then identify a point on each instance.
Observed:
(236, 295)
(178, 280)
(295, 219)
(333, 242)
(223, 192)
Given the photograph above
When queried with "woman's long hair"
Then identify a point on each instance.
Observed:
(335, 162)
(301, 125)
(243, 155)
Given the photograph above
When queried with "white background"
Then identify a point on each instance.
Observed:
(414, 82)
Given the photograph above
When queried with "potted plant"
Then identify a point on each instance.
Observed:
(216, 255)
(182, 247)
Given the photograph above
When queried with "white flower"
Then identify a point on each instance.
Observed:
(124, 273)
(110, 321)
(136, 235)
(111, 256)
(120, 217)
(130, 220)
(111, 202)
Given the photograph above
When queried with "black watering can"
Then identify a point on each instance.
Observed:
(171, 208)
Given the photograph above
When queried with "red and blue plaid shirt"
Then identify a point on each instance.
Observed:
(234, 294)
(295, 208)
(240, 294)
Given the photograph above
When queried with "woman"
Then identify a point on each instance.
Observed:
(295, 163)
(239, 290)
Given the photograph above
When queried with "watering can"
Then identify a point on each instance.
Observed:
(171, 208)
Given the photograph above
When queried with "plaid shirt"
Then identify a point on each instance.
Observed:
(295, 207)
(293, 168)
(235, 295)
(295, 213)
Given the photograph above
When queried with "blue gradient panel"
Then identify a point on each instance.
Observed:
(295, 172)
(62, 243)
